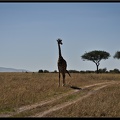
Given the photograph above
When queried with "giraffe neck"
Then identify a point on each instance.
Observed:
(59, 50)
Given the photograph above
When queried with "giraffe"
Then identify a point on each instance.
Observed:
(62, 64)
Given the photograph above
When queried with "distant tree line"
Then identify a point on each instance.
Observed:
(104, 70)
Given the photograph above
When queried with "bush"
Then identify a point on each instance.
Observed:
(40, 71)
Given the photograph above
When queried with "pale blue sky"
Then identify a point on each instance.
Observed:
(28, 34)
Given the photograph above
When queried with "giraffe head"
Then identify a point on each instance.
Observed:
(59, 41)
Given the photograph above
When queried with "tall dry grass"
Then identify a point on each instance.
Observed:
(105, 103)
(20, 89)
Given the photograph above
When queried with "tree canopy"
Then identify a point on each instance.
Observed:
(96, 56)
(117, 55)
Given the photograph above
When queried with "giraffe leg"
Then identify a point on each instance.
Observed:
(59, 79)
(63, 79)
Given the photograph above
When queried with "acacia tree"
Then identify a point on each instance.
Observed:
(96, 56)
(117, 55)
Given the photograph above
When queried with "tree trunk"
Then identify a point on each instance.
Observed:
(97, 68)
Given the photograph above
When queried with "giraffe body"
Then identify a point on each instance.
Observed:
(62, 64)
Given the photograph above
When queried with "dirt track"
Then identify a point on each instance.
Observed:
(57, 107)
(97, 86)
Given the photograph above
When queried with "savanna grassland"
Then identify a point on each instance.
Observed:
(38, 95)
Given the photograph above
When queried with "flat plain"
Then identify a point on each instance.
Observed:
(38, 95)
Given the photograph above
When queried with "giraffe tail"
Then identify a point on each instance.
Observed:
(68, 73)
